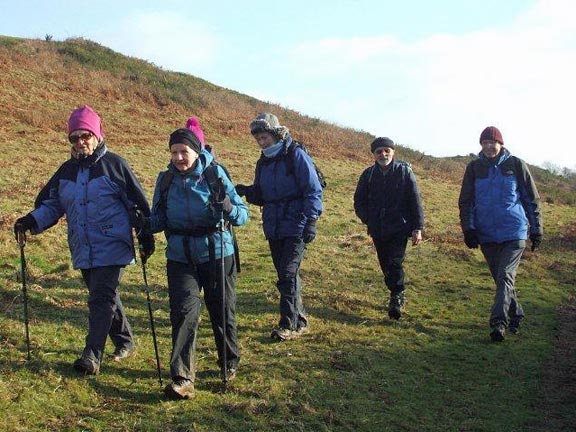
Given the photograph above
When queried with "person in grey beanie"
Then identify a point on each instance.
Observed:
(288, 189)
(499, 210)
(387, 200)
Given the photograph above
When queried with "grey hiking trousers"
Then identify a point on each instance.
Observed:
(503, 260)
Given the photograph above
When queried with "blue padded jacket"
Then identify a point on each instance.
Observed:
(95, 194)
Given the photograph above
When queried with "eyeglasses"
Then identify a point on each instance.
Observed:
(84, 137)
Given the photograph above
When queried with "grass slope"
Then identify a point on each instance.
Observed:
(435, 370)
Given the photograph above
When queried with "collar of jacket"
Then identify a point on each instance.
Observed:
(504, 154)
(99, 151)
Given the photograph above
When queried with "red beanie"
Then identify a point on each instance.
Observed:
(491, 133)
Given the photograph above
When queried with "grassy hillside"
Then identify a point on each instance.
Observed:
(435, 370)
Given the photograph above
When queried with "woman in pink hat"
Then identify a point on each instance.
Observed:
(98, 193)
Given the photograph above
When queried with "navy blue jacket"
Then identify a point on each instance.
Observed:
(95, 194)
(289, 199)
(499, 199)
(389, 204)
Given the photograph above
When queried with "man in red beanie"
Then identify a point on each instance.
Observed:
(499, 210)
(98, 193)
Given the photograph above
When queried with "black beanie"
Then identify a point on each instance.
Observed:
(185, 136)
(381, 142)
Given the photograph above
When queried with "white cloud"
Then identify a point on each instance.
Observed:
(168, 39)
(437, 94)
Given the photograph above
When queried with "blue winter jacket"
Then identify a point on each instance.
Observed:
(186, 216)
(499, 199)
(95, 194)
(389, 204)
(288, 191)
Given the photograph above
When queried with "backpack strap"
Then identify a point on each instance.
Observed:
(165, 183)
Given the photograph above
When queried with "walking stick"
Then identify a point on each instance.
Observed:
(151, 321)
(223, 288)
(22, 243)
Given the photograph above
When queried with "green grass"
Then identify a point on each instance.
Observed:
(434, 370)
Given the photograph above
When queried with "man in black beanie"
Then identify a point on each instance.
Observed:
(388, 201)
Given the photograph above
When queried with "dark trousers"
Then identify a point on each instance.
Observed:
(287, 256)
(503, 260)
(106, 316)
(391, 252)
(185, 281)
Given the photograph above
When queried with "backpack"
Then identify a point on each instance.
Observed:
(211, 176)
(290, 169)
(290, 161)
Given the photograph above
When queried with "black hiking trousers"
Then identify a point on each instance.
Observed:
(106, 316)
(287, 255)
(185, 281)
(391, 253)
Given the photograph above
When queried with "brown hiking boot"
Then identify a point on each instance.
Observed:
(180, 388)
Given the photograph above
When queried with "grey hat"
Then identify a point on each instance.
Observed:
(268, 122)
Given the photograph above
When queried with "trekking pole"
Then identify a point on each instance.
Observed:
(223, 288)
(151, 322)
(22, 243)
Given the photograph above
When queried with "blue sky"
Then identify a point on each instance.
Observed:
(428, 74)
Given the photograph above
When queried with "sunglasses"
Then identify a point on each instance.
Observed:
(84, 137)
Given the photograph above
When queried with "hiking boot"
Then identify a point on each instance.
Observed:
(514, 326)
(121, 353)
(497, 333)
(284, 334)
(395, 306)
(231, 374)
(87, 366)
(180, 388)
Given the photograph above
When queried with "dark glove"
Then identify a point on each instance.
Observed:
(241, 189)
(536, 240)
(309, 232)
(137, 218)
(23, 224)
(471, 239)
(224, 205)
(146, 244)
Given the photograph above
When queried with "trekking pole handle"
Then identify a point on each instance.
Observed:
(21, 239)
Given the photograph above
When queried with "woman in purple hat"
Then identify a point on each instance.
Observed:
(98, 193)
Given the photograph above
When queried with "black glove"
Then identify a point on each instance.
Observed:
(224, 205)
(137, 218)
(146, 245)
(536, 240)
(241, 189)
(309, 232)
(23, 224)
(471, 239)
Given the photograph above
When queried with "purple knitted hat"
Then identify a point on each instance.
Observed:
(85, 118)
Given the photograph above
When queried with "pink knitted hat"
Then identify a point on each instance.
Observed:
(194, 125)
(85, 118)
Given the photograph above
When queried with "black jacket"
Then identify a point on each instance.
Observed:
(389, 204)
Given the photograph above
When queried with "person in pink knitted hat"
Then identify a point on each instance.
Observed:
(100, 196)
